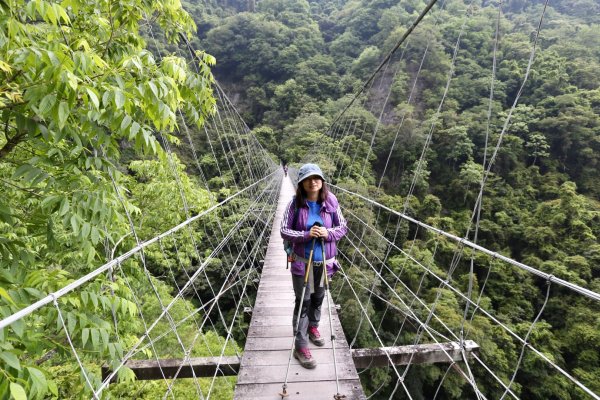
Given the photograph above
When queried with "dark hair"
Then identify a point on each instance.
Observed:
(301, 194)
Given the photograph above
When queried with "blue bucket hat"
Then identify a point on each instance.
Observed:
(309, 170)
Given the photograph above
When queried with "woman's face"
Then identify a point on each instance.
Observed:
(312, 184)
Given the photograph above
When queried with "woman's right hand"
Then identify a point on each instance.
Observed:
(318, 232)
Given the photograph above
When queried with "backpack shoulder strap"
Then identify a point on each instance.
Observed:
(334, 216)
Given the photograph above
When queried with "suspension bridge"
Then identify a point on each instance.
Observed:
(226, 265)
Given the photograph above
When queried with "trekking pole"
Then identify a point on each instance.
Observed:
(284, 393)
(336, 396)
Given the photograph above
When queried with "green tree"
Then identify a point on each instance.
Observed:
(77, 84)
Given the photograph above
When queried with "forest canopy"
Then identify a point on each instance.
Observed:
(94, 95)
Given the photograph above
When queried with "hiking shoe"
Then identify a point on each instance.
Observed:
(315, 336)
(305, 358)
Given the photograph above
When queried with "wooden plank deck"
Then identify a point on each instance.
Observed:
(264, 363)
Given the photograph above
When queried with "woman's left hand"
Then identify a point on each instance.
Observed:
(323, 232)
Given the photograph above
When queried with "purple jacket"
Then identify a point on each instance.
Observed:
(333, 220)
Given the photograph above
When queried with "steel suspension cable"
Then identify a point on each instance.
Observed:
(576, 288)
(251, 254)
(100, 270)
(168, 307)
(389, 56)
(549, 278)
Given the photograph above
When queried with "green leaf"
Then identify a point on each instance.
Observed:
(60, 11)
(48, 202)
(74, 224)
(105, 337)
(125, 374)
(40, 385)
(64, 206)
(22, 170)
(85, 334)
(153, 88)
(18, 327)
(11, 360)
(91, 254)
(126, 122)
(50, 15)
(84, 297)
(63, 114)
(106, 98)
(135, 128)
(153, 144)
(17, 391)
(95, 235)
(46, 104)
(53, 388)
(94, 299)
(5, 68)
(93, 97)
(119, 99)
(4, 294)
(95, 337)
(132, 309)
(71, 322)
(85, 230)
(5, 214)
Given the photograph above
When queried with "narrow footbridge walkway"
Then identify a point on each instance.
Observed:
(267, 351)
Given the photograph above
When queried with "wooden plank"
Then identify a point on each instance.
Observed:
(198, 367)
(276, 374)
(281, 311)
(286, 331)
(262, 319)
(265, 294)
(280, 289)
(259, 320)
(266, 302)
(281, 357)
(276, 265)
(419, 354)
(282, 343)
(269, 352)
(270, 331)
(282, 298)
(269, 320)
(277, 284)
(300, 391)
(276, 276)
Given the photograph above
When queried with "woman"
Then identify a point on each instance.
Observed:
(312, 204)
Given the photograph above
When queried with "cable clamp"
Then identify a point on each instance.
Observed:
(284, 393)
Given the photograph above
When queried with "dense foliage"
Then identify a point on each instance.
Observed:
(81, 102)
(294, 65)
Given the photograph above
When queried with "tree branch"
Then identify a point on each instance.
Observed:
(11, 143)
(30, 191)
(46, 357)
(112, 30)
